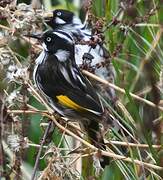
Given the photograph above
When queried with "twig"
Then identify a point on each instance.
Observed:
(39, 98)
(105, 153)
(36, 145)
(147, 25)
(26, 111)
(40, 150)
(16, 59)
(120, 143)
(121, 90)
(77, 128)
(5, 27)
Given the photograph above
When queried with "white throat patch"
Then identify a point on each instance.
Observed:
(59, 21)
(62, 55)
(41, 57)
(77, 21)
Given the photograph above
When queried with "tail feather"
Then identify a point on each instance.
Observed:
(97, 140)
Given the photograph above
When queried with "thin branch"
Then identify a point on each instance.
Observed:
(40, 150)
(147, 25)
(121, 90)
(120, 143)
(105, 153)
(35, 145)
(5, 27)
(16, 59)
(26, 111)
(77, 128)
(39, 98)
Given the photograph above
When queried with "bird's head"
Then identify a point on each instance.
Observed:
(56, 40)
(58, 43)
(62, 17)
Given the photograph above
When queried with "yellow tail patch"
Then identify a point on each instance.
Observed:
(64, 100)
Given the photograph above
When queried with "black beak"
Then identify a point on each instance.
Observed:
(48, 17)
(35, 36)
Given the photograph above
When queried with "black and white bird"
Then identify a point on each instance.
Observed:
(66, 21)
(68, 92)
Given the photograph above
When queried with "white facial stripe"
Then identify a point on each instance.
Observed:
(59, 21)
(63, 36)
(44, 46)
(62, 55)
(41, 57)
(73, 73)
(66, 75)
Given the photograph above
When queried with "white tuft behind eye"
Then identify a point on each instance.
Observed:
(48, 39)
(59, 13)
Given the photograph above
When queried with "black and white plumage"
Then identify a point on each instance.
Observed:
(68, 91)
(66, 21)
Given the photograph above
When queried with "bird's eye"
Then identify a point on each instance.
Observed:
(48, 39)
(59, 13)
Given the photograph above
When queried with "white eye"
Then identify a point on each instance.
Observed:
(59, 13)
(48, 39)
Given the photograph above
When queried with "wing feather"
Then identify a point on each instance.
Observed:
(71, 88)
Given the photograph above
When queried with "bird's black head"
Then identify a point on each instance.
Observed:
(61, 17)
(53, 40)
(59, 43)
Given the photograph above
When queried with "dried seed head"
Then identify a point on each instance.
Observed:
(16, 142)
(5, 57)
(17, 74)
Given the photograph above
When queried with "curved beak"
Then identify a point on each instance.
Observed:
(48, 17)
(35, 36)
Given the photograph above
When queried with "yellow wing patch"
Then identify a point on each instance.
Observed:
(64, 100)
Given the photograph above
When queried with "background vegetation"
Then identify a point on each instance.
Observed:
(133, 35)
